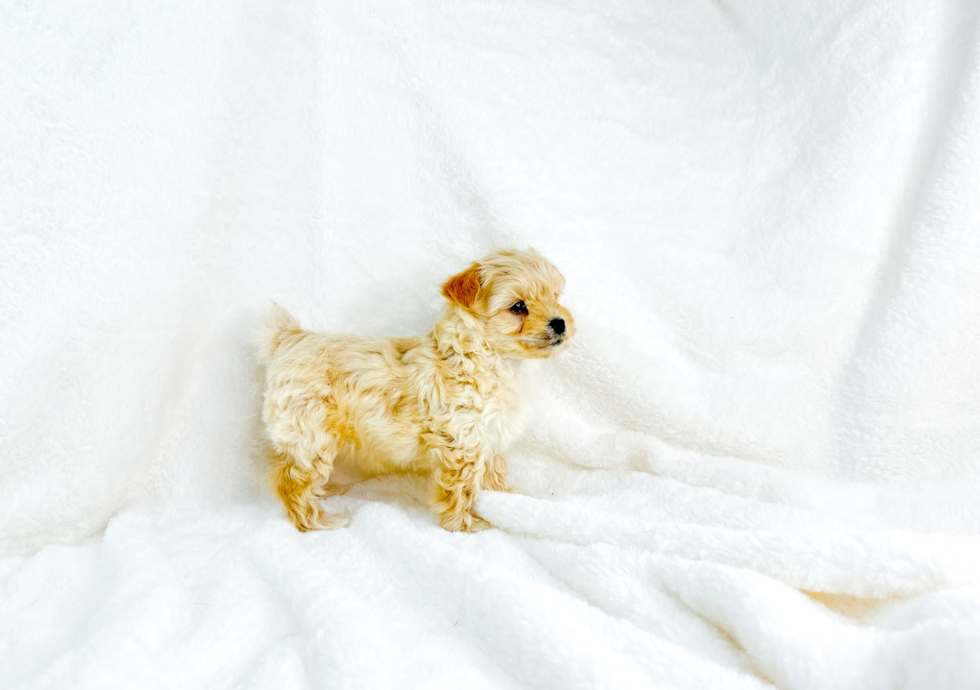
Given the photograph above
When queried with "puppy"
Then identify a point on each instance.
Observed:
(444, 404)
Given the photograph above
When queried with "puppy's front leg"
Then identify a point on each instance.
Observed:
(458, 476)
(495, 475)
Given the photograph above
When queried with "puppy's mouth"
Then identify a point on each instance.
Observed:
(544, 343)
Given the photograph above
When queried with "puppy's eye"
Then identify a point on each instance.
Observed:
(519, 308)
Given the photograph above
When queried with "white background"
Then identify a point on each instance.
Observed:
(768, 217)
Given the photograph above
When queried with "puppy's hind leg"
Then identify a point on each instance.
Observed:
(299, 479)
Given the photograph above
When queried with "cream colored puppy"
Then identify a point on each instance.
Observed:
(445, 403)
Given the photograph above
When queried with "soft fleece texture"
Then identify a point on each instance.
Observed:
(757, 465)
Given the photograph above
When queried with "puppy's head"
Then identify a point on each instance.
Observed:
(513, 297)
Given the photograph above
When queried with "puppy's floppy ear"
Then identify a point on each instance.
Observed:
(462, 288)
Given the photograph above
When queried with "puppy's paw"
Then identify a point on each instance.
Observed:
(328, 490)
(463, 521)
(479, 524)
(315, 518)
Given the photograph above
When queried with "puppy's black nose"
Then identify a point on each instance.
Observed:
(557, 325)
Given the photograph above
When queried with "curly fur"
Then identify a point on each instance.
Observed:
(445, 404)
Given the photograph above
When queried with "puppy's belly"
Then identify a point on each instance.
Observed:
(381, 444)
(372, 458)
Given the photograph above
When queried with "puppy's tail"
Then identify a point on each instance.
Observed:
(279, 326)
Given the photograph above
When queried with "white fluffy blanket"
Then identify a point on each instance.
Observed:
(756, 466)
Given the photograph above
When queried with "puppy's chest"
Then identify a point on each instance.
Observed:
(505, 411)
